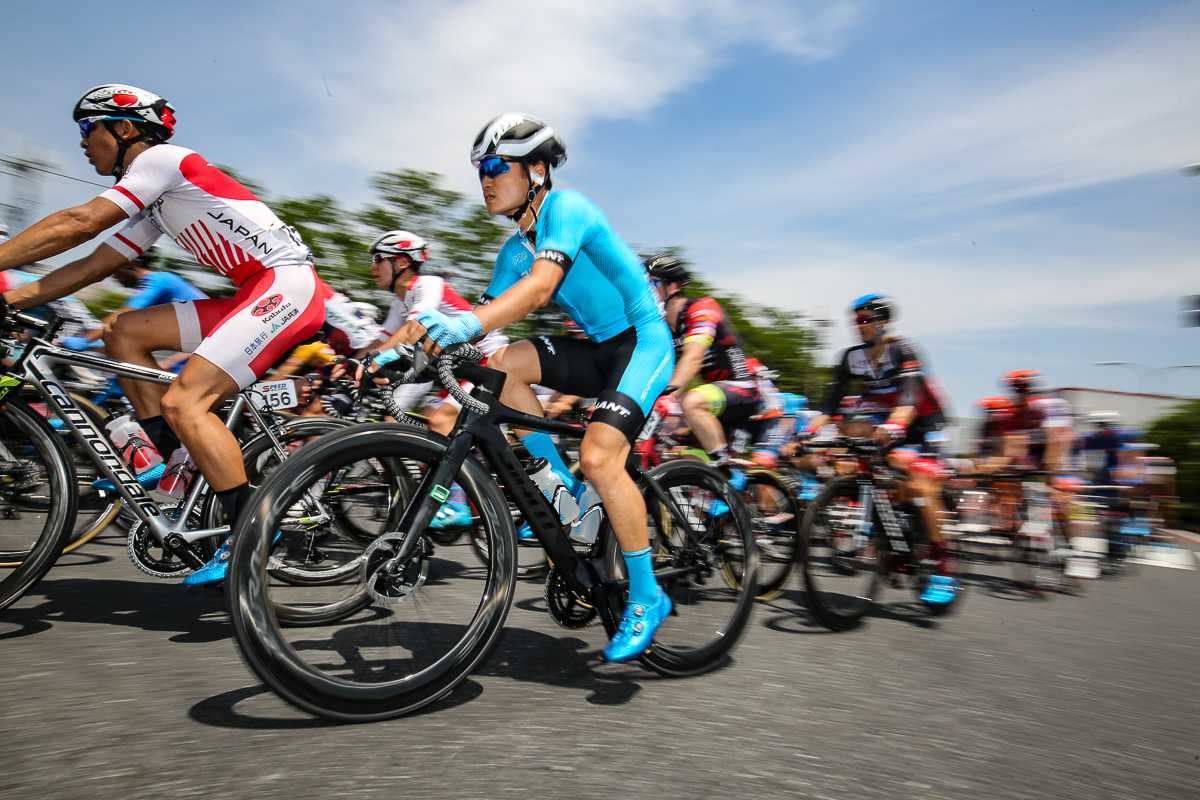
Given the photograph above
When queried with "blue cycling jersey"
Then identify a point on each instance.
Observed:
(158, 288)
(604, 288)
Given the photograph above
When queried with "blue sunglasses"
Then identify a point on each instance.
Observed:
(88, 124)
(492, 167)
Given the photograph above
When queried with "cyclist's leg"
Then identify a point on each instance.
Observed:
(134, 337)
(701, 408)
(188, 407)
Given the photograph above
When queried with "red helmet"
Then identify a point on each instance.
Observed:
(1021, 380)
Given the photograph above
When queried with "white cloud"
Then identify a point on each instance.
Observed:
(426, 76)
(1080, 116)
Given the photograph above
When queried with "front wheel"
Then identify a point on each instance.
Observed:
(705, 558)
(435, 610)
(37, 499)
(845, 557)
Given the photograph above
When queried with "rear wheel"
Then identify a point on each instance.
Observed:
(775, 515)
(434, 611)
(705, 559)
(845, 556)
(37, 498)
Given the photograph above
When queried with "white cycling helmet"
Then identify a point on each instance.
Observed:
(394, 243)
(519, 136)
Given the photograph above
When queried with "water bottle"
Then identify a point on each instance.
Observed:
(557, 492)
(588, 527)
(133, 443)
(178, 476)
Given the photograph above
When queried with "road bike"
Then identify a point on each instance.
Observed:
(39, 489)
(858, 540)
(437, 611)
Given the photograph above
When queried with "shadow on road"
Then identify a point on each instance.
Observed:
(136, 604)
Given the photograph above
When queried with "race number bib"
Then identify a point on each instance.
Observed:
(274, 395)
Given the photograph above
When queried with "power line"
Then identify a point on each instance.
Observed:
(24, 165)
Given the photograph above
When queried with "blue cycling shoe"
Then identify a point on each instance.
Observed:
(524, 532)
(147, 480)
(737, 479)
(451, 515)
(941, 590)
(637, 629)
(214, 571)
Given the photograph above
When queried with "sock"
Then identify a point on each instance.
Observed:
(161, 436)
(643, 589)
(720, 454)
(457, 495)
(234, 500)
(540, 445)
(938, 552)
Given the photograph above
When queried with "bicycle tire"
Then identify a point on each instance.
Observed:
(300, 559)
(843, 567)
(398, 655)
(36, 501)
(713, 604)
(95, 510)
(776, 516)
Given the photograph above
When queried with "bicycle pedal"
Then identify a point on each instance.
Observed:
(187, 554)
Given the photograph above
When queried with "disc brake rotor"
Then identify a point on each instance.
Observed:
(390, 580)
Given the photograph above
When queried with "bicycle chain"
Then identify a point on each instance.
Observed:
(564, 606)
(140, 544)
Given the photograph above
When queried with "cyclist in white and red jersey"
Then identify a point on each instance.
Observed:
(396, 261)
(162, 188)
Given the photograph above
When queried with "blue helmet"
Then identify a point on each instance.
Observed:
(880, 305)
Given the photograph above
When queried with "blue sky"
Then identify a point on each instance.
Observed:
(1009, 172)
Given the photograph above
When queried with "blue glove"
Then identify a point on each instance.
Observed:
(77, 343)
(447, 330)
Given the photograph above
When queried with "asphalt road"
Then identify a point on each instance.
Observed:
(117, 685)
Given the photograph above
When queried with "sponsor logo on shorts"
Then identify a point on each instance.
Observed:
(267, 305)
(616, 408)
(549, 345)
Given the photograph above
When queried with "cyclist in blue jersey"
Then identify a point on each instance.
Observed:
(153, 288)
(565, 250)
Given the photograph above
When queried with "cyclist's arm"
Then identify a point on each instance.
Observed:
(102, 262)
(59, 232)
(688, 365)
(522, 298)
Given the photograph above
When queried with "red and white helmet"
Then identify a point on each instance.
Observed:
(394, 243)
(154, 114)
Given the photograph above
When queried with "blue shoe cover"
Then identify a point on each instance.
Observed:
(214, 571)
(451, 515)
(941, 589)
(524, 532)
(637, 629)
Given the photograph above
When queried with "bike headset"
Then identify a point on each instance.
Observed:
(400, 243)
(882, 307)
(151, 115)
(525, 139)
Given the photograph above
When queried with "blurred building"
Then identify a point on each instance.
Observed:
(1136, 410)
